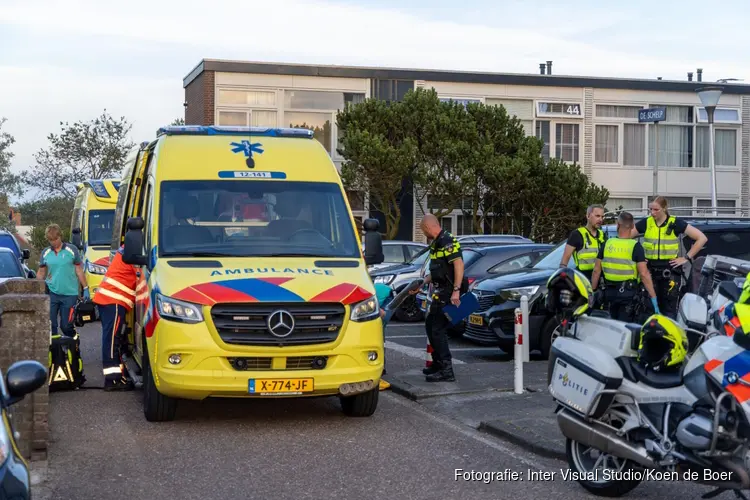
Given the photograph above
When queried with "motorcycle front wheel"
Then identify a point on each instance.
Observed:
(590, 463)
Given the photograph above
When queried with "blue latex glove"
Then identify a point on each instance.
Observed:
(86, 294)
(656, 305)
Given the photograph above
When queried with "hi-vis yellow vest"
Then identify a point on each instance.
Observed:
(585, 258)
(618, 264)
(659, 245)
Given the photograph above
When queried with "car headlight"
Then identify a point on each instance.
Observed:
(178, 310)
(366, 310)
(4, 443)
(517, 293)
(96, 268)
(386, 279)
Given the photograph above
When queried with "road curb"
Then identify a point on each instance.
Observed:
(521, 438)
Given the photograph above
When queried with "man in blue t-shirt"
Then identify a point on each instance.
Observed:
(60, 267)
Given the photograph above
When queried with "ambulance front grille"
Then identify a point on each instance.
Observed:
(247, 324)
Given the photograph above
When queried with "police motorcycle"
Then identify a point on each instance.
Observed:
(632, 408)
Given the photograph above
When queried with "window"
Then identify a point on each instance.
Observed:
(241, 218)
(447, 224)
(100, 225)
(319, 123)
(607, 143)
(567, 110)
(247, 98)
(725, 207)
(626, 204)
(567, 139)
(542, 132)
(10, 267)
(634, 145)
(309, 99)
(725, 147)
(610, 111)
(390, 90)
(414, 250)
(513, 264)
(520, 108)
(465, 225)
(675, 141)
(721, 115)
(393, 253)
(233, 118)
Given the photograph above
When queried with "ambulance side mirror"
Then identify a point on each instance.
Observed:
(373, 243)
(133, 247)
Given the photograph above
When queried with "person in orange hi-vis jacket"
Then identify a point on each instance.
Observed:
(115, 297)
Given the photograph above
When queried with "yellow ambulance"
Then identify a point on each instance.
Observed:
(252, 283)
(92, 226)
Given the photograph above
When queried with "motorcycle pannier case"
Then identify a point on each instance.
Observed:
(578, 372)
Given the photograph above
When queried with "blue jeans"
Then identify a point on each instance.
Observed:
(62, 306)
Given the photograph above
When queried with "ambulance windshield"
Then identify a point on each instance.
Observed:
(249, 218)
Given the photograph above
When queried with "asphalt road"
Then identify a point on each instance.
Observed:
(102, 447)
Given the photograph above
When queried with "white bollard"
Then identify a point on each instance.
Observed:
(518, 354)
(525, 322)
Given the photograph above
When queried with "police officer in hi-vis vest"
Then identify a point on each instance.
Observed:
(584, 242)
(622, 261)
(661, 242)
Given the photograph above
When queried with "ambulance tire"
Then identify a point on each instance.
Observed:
(361, 405)
(156, 406)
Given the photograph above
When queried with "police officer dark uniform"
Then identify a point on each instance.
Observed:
(661, 243)
(622, 261)
(446, 276)
(584, 243)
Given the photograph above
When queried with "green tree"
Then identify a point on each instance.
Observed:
(54, 209)
(379, 153)
(178, 121)
(94, 149)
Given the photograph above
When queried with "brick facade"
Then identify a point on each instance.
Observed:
(200, 99)
(25, 331)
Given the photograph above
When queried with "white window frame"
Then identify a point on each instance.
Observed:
(620, 122)
(559, 116)
(242, 88)
(667, 124)
(620, 145)
(553, 136)
(698, 109)
(721, 210)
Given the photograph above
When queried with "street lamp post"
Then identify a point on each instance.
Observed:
(709, 97)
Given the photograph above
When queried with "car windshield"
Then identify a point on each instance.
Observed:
(7, 241)
(100, 227)
(469, 257)
(9, 266)
(421, 257)
(553, 258)
(247, 218)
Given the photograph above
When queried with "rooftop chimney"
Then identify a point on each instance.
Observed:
(549, 67)
(658, 78)
(690, 76)
(541, 68)
(700, 74)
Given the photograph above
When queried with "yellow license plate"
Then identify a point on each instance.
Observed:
(475, 320)
(270, 386)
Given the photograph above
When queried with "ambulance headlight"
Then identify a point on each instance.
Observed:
(95, 268)
(178, 310)
(366, 310)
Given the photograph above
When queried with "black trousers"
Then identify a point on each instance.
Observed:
(667, 288)
(437, 326)
(620, 303)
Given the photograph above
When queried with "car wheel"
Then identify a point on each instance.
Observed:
(550, 331)
(409, 311)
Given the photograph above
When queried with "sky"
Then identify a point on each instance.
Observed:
(68, 60)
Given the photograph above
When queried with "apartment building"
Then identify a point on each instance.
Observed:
(590, 120)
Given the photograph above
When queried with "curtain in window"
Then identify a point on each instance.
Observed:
(634, 145)
(675, 145)
(567, 137)
(607, 143)
(725, 147)
(263, 118)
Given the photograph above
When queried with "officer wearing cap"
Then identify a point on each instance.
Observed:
(622, 260)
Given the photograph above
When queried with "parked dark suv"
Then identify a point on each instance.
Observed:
(493, 323)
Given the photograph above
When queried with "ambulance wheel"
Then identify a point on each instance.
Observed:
(361, 405)
(156, 406)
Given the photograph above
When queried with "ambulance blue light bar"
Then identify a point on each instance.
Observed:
(98, 186)
(302, 133)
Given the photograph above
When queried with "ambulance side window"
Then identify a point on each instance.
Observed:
(148, 200)
(118, 228)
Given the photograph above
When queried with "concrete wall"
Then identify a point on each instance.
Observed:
(25, 334)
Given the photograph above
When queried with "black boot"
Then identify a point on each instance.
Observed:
(434, 368)
(444, 375)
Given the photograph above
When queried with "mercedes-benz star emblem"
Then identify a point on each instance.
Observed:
(280, 323)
